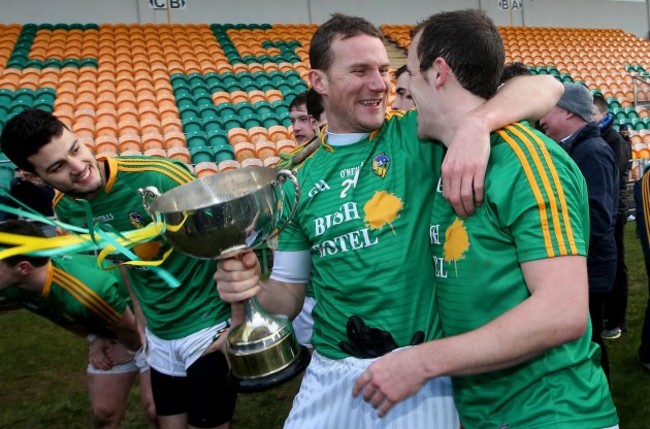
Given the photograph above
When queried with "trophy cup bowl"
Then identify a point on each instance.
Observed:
(220, 216)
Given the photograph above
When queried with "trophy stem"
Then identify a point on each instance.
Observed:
(263, 350)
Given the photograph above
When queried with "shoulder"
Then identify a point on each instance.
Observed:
(154, 166)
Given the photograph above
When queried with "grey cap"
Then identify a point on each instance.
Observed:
(578, 100)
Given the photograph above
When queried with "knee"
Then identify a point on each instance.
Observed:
(105, 417)
(150, 412)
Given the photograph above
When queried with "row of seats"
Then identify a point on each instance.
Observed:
(219, 93)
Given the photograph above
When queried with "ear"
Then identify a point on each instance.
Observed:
(318, 80)
(440, 71)
(23, 268)
(33, 178)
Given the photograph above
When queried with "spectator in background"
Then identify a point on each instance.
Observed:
(615, 312)
(569, 123)
(303, 324)
(642, 199)
(403, 99)
(73, 293)
(304, 125)
(315, 108)
(511, 70)
(624, 130)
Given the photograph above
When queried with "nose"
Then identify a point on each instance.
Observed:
(76, 165)
(378, 81)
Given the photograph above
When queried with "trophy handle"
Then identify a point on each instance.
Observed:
(282, 175)
(149, 195)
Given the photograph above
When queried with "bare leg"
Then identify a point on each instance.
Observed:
(178, 421)
(146, 397)
(108, 395)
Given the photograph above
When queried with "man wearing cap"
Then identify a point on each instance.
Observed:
(569, 124)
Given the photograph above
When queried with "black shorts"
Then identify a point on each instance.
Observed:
(204, 395)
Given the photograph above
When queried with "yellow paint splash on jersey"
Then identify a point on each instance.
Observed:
(383, 208)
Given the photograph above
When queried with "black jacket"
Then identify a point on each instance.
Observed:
(598, 165)
(622, 153)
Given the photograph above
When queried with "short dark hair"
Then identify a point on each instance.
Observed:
(601, 103)
(320, 52)
(514, 69)
(469, 42)
(315, 104)
(298, 100)
(26, 133)
(397, 73)
(22, 227)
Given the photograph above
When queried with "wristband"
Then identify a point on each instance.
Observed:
(91, 338)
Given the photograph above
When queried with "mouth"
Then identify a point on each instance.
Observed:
(371, 102)
(85, 176)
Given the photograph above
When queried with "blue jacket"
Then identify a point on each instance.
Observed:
(597, 163)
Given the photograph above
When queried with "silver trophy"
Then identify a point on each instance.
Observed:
(220, 216)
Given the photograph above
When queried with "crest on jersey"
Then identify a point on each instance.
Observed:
(380, 165)
(136, 219)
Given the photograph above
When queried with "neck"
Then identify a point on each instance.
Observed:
(458, 106)
(34, 281)
(573, 127)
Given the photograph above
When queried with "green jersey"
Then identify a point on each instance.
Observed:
(77, 295)
(535, 207)
(361, 206)
(170, 313)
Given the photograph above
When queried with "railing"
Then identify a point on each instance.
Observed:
(641, 88)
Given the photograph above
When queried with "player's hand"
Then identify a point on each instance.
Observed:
(118, 353)
(391, 379)
(238, 278)
(97, 354)
(463, 170)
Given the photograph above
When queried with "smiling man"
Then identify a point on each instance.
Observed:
(359, 233)
(511, 281)
(184, 325)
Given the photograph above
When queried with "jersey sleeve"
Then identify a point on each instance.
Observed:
(291, 238)
(542, 198)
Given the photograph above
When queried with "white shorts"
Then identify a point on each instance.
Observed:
(137, 364)
(303, 324)
(173, 357)
(325, 401)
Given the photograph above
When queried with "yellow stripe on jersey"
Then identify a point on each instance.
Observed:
(171, 170)
(645, 197)
(58, 196)
(399, 113)
(526, 145)
(558, 187)
(86, 296)
(48, 280)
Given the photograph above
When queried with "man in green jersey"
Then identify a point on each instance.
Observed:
(511, 281)
(184, 324)
(76, 295)
(359, 232)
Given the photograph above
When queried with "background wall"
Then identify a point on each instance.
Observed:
(633, 16)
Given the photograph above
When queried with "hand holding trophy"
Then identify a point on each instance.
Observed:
(221, 216)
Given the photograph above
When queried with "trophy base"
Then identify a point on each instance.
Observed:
(259, 384)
